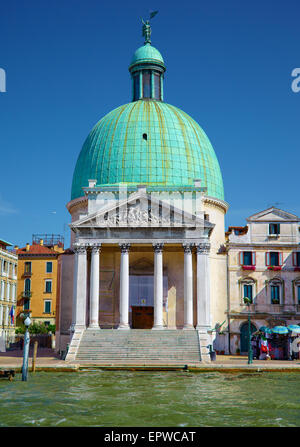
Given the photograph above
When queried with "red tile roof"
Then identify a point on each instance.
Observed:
(36, 249)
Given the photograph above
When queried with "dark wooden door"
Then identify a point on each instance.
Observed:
(142, 317)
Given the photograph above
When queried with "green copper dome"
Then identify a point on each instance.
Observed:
(147, 53)
(148, 142)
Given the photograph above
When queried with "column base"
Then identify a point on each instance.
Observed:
(203, 329)
(79, 327)
(94, 326)
(157, 328)
(188, 327)
(124, 327)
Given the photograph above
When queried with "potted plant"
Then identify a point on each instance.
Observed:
(238, 351)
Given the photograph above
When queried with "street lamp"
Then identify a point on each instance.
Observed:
(247, 301)
(27, 323)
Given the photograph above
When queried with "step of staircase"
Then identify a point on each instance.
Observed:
(139, 346)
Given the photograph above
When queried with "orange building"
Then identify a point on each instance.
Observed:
(37, 278)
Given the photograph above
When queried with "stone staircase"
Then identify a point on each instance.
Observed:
(138, 347)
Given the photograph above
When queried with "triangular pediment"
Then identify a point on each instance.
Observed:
(273, 215)
(140, 210)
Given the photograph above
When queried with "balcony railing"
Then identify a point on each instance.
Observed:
(27, 274)
(26, 294)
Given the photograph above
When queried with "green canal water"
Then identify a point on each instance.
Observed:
(155, 399)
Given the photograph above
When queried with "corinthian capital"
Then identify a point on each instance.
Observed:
(124, 248)
(79, 249)
(187, 248)
(96, 248)
(158, 247)
(203, 247)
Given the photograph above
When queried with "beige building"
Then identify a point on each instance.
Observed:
(8, 290)
(264, 266)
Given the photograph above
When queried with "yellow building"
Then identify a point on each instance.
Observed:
(8, 285)
(37, 279)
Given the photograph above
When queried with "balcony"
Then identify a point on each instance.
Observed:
(27, 274)
(26, 294)
(248, 267)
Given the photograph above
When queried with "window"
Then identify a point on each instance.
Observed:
(296, 259)
(47, 307)
(157, 88)
(27, 285)
(275, 294)
(48, 286)
(27, 267)
(298, 295)
(136, 87)
(248, 291)
(146, 84)
(274, 258)
(26, 304)
(48, 267)
(247, 258)
(274, 228)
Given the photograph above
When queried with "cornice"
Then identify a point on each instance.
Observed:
(216, 202)
(76, 203)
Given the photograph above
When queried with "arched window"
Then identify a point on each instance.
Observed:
(296, 291)
(276, 291)
(248, 289)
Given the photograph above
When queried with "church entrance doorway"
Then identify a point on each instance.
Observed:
(141, 289)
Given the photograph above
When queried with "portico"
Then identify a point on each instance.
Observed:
(86, 294)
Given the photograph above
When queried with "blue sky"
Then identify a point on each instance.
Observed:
(229, 66)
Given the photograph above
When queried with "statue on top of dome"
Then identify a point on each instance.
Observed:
(147, 28)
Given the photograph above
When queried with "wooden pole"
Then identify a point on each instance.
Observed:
(34, 355)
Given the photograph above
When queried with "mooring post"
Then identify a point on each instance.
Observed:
(26, 350)
(35, 346)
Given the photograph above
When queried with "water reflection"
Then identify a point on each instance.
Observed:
(122, 398)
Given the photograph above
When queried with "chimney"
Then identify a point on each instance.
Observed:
(41, 242)
(27, 246)
(16, 247)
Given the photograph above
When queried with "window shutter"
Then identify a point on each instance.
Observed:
(241, 258)
(294, 259)
(267, 259)
(253, 258)
(280, 258)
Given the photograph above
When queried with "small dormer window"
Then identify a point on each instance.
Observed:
(274, 229)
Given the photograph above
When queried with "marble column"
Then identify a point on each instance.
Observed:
(94, 287)
(80, 289)
(124, 287)
(158, 286)
(188, 287)
(203, 288)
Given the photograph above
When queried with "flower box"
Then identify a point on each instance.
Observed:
(296, 269)
(275, 267)
(248, 267)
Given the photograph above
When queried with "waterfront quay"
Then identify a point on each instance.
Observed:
(48, 360)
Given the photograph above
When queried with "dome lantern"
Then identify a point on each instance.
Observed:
(147, 70)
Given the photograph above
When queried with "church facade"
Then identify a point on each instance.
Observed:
(147, 222)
